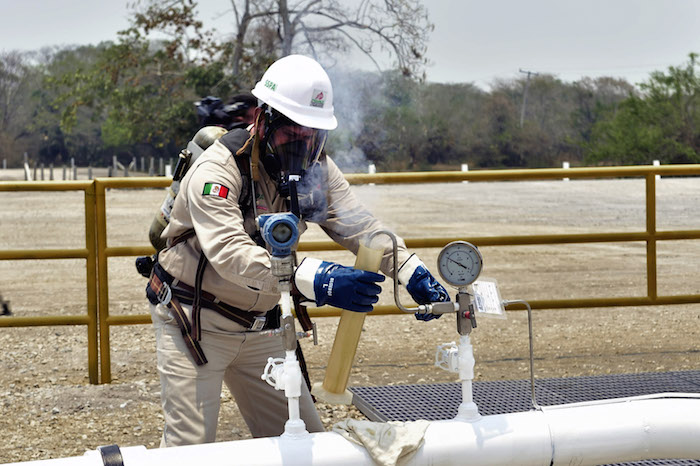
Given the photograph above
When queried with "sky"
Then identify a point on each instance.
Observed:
(473, 41)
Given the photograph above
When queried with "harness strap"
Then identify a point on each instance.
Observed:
(182, 237)
(196, 300)
(159, 288)
(243, 318)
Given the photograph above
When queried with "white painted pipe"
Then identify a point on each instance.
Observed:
(631, 429)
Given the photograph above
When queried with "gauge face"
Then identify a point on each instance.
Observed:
(459, 263)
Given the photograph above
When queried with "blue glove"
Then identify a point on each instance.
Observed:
(337, 285)
(422, 286)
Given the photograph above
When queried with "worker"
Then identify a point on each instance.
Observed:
(212, 289)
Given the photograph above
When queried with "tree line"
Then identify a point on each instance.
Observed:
(134, 97)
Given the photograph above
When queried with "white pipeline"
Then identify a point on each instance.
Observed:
(660, 427)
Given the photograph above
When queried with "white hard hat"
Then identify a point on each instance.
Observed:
(299, 88)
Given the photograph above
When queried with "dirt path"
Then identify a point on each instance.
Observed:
(49, 410)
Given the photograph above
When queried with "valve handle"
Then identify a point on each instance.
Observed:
(272, 374)
(447, 357)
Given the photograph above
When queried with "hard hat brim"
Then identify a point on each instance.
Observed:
(319, 118)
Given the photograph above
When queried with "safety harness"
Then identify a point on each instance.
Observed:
(164, 289)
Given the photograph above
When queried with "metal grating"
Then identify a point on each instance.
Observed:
(440, 401)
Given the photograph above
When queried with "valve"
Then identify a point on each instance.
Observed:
(284, 374)
(447, 357)
(273, 373)
(300, 335)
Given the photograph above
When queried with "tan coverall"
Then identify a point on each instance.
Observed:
(238, 273)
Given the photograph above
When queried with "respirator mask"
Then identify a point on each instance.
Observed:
(291, 158)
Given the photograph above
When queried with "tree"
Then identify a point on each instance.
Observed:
(84, 140)
(17, 80)
(316, 27)
(137, 90)
(661, 123)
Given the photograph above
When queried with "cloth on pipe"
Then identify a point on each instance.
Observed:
(388, 443)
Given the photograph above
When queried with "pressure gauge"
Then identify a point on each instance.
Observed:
(459, 263)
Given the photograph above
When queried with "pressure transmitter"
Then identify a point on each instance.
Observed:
(280, 231)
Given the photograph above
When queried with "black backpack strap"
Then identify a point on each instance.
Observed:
(234, 140)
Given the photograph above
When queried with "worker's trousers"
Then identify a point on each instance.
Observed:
(190, 394)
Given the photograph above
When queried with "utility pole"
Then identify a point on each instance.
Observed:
(527, 86)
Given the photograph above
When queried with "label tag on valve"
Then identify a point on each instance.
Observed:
(487, 299)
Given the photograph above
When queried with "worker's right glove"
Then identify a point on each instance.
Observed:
(337, 285)
(422, 286)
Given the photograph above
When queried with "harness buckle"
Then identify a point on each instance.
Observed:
(165, 294)
(258, 323)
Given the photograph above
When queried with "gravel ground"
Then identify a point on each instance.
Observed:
(49, 409)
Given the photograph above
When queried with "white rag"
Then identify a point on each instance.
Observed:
(386, 442)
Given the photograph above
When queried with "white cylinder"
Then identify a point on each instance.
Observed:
(612, 431)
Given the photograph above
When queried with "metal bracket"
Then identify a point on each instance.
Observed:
(111, 455)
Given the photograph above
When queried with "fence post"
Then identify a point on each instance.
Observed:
(27, 173)
(64, 172)
(465, 168)
(657, 164)
(41, 168)
(89, 172)
(565, 165)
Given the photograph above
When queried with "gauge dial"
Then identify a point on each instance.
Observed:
(459, 263)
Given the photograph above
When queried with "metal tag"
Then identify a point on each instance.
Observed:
(487, 299)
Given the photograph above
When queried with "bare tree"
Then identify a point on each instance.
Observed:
(399, 28)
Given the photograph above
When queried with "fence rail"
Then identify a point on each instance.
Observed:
(89, 254)
(97, 252)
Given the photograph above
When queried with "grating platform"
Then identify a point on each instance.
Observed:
(440, 401)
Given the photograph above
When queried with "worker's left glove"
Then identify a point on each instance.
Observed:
(336, 285)
(422, 286)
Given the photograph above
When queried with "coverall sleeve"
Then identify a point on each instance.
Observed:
(212, 195)
(349, 223)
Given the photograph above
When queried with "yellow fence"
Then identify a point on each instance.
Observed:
(89, 253)
(97, 252)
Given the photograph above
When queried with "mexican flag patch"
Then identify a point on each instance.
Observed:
(215, 189)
